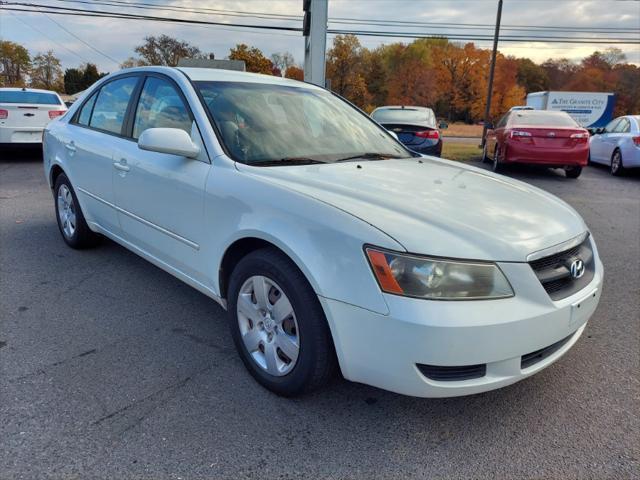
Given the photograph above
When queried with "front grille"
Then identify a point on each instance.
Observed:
(539, 355)
(453, 374)
(554, 271)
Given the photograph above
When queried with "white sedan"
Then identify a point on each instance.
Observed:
(329, 243)
(24, 112)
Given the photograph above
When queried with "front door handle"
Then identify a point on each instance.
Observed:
(122, 165)
(70, 146)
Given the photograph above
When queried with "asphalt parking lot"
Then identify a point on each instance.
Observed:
(112, 368)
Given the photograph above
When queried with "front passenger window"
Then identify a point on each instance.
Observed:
(160, 106)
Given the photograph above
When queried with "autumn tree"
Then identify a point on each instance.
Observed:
(253, 58)
(162, 50)
(295, 73)
(345, 69)
(15, 63)
(46, 72)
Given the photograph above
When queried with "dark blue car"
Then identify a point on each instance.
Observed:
(415, 127)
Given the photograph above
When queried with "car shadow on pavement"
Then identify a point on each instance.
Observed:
(21, 155)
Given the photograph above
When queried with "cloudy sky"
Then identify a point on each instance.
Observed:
(73, 36)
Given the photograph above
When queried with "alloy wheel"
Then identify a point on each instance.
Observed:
(66, 211)
(268, 325)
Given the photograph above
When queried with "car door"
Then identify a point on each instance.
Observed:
(160, 197)
(89, 142)
(598, 146)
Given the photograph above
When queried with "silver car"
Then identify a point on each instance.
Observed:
(617, 145)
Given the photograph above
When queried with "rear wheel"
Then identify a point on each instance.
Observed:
(278, 324)
(71, 222)
(617, 168)
(573, 172)
(496, 165)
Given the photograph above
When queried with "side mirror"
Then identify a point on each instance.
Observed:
(393, 134)
(173, 141)
(443, 125)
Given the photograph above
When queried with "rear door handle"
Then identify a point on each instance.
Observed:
(122, 165)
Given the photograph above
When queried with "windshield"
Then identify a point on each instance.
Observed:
(18, 96)
(405, 115)
(278, 124)
(542, 119)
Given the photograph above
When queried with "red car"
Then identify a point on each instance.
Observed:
(539, 137)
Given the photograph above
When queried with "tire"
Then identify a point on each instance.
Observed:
(485, 153)
(617, 167)
(264, 278)
(573, 172)
(71, 223)
(496, 166)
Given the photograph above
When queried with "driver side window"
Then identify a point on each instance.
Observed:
(503, 121)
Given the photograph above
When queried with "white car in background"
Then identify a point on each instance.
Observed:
(328, 242)
(25, 112)
(617, 144)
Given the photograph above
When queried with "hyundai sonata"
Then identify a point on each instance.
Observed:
(330, 244)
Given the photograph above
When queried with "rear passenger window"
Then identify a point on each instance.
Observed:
(623, 127)
(111, 105)
(160, 106)
(85, 113)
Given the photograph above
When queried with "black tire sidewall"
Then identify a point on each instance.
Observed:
(82, 237)
(313, 330)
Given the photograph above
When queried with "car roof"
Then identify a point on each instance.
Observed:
(220, 75)
(19, 89)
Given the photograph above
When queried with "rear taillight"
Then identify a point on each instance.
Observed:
(580, 136)
(56, 113)
(518, 134)
(433, 134)
(3, 114)
(636, 141)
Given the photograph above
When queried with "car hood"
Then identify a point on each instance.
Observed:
(438, 207)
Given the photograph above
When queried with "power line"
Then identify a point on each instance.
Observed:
(80, 39)
(353, 21)
(47, 36)
(462, 37)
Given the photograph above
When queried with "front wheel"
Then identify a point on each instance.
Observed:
(71, 222)
(573, 172)
(278, 325)
(617, 168)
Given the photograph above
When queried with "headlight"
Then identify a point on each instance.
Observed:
(437, 279)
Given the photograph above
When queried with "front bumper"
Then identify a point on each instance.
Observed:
(385, 350)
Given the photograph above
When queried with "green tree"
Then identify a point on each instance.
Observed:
(72, 81)
(531, 76)
(253, 58)
(46, 72)
(15, 63)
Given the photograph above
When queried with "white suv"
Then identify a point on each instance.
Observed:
(329, 243)
(24, 112)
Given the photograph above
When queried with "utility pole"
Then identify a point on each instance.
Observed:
(314, 29)
(487, 110)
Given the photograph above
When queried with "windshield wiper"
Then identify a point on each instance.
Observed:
(288, 161)
(369, 156)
